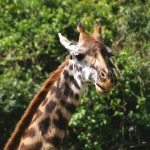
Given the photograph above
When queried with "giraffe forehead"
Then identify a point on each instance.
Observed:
(87, 37)
(96, 60)
(93, 55)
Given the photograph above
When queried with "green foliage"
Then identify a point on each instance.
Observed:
(29, 50)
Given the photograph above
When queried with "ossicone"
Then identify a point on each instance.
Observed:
(97, 30)
(80, 28)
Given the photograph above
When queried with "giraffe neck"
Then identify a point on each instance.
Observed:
(49, 123)
(69, 84)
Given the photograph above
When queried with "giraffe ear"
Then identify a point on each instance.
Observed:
(71, 47)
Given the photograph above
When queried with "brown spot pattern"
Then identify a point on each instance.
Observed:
(71, 67)
(30, 133)
(50, 106)
(76, 96)
(74, 82)
(61, 122)
(68, 91)
(55, 141)
(68, 106)
(53, 89)
(58, 92)
(66, 74)
(44, 125)
(43, 94)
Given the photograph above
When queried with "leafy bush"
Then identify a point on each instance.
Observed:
(29, 50)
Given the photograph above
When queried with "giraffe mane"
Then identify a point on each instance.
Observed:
(26, 118)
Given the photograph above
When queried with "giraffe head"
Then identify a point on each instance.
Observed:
(92, 55)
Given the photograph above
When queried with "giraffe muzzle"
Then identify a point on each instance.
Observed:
(103, 87)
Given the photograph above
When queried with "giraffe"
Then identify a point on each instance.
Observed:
(43, 125)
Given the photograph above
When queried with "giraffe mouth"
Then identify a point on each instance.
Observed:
(100, 89)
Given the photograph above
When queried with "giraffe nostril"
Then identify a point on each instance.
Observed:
(103, 75)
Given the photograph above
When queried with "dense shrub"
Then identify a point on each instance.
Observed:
(29, 50)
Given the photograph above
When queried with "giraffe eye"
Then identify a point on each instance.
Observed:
(103, 51)
(80, 57)
(106, 51)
